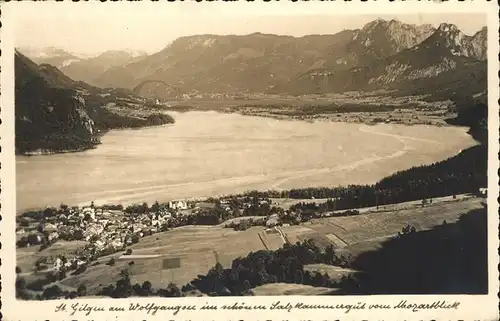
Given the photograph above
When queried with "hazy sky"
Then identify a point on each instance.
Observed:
(89, 29)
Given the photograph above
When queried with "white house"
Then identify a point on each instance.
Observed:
(273, 220)
(178, 205)
(49, 228)
(80, 262)
(106, 214)
(99, 245)
(58, 264)
(137, 228)
(90, 211)
(166, 216)
(93, 229)
(117, 243)
(53, 236)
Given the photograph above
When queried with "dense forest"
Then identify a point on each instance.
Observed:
(473, 113)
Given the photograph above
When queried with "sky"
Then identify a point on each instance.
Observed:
(87, 29)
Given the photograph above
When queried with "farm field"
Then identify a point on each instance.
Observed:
(406, 110)
(237, 220)
(290, 289)
(377, 226)
(27, 256)
(198, 248)
(286, 203)
(271, 240)
(335, 272)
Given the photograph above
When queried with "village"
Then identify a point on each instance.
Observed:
(106, 229)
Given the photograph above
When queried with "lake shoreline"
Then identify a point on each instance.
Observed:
(367, 118)
(348, 119)
(40, 152)
(101, 133)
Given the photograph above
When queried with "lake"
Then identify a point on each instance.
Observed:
(209, 154)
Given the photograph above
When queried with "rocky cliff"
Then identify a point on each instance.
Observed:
(49, 116)
(54, 113)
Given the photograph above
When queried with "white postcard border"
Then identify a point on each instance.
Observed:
(472, 307)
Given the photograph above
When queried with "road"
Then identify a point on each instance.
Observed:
(404, 205)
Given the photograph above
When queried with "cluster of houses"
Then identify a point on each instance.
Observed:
(107, 231)
(104, 227)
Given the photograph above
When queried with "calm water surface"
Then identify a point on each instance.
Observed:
(207, 154)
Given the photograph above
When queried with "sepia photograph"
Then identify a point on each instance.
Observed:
(166, 154)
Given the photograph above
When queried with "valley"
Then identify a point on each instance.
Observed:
(351, 107)
(255, 164)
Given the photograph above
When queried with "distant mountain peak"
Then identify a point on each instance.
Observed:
(394, 24)
(258, 61)
(450, 37)
(384, 38)
(49, 55)
(378, 23)
(120, 53)
(448, 27)
(481, 33)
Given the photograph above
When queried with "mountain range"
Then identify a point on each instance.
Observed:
(79, 66)
(382, 54)
(88, 70)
